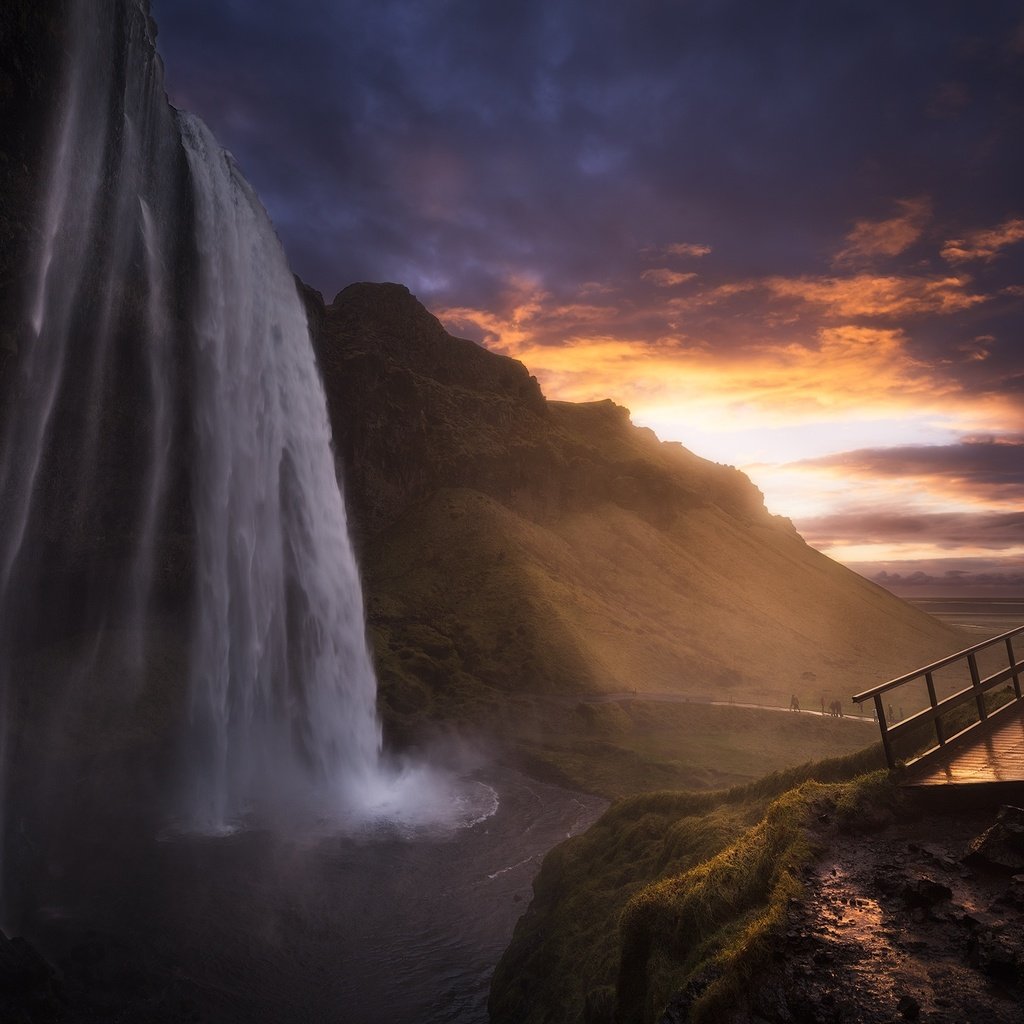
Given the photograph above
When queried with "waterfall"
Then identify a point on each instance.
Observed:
(281, 678)
(168, 446)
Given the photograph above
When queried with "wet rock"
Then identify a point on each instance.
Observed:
(888, 880)
(1011, 898)
(925, 893)
(997, 955)
(1002, 845)
(908, 1007)
(938, 857)
(770, 1004)
(964, 920)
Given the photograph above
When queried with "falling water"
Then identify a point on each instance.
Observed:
(169, 423)
(282, 683)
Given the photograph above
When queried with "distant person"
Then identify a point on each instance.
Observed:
(892, 716)
(794, 703)
(823, 705)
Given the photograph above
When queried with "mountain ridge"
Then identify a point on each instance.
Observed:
(514, 545)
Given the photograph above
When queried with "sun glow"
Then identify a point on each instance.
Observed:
(827, 407)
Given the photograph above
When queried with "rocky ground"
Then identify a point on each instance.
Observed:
(919, 921)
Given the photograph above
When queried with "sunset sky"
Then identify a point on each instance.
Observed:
(789, 235)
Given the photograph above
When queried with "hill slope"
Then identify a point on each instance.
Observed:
(516, 546)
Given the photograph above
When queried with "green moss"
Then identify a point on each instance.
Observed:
(699, 881)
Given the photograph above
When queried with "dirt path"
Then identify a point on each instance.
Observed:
(680, 698)
(898, 926)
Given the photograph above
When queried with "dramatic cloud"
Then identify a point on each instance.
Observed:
(865, 295)
(687, 249)
(951, 581)
(951, 530)
(984, 245)
(581, 353)
(778, 237)
(890, 237)
(861, 295)
(457, 143)
(977, 469)
(665, 278)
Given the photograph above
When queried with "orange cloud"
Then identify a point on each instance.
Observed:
(986, 244)
(890, 237)
(979, 472)
(765, 405)
(978, 349)
(847, 366)
(665, 278)
(842, 298)
(687, 249)
(869, 295)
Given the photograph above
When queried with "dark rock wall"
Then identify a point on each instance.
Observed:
(414, 410)
(93, 472)
(31, 46)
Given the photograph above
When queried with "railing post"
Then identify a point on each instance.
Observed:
(1013, 666)
(979, 697)
(883, 726)
(977, 690)
(940, 731)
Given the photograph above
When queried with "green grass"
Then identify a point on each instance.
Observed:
(719, 920)
(696, 879)
(471, 600)
(620, 749)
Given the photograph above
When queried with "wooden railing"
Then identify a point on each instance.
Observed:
(933, 715)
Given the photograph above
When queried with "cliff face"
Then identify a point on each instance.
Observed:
(31, 40)
(77, 398)
(415, 410)
(515, 545)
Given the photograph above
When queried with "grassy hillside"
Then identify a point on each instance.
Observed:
(523, 556)
(484, 617)
(676, 891)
